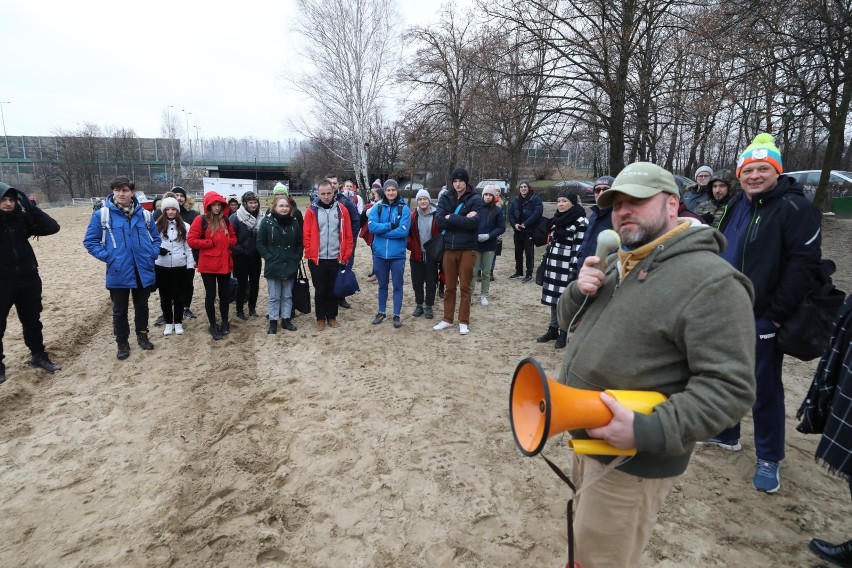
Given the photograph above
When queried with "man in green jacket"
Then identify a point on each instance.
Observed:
(652, 322)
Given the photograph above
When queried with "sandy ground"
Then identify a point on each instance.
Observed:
(363, 446)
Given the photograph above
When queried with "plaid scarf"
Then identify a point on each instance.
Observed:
(128, 209)
(827, 408)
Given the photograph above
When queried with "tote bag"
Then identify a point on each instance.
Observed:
(302, 292)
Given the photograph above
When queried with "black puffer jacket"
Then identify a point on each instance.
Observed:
(781, 250)
(17, 259)
(461, 231)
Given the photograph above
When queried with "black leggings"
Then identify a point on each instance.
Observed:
(211, 282)
(247, 272)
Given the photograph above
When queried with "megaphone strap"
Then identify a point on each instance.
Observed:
(569, 510)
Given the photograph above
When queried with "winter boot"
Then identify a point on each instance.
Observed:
(252, 312)
(123, 350)
(273, 327)
(418, 311)
(2, 373)
(142, 340)
(427, 313)
(214, 332)
(563, 339)
(225, 328)
(241, 315)
(288, 325)
(551, 334)
(42, 361)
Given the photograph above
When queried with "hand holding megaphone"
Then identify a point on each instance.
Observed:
(592, 274)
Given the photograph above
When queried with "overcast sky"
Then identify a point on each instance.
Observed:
(121, 64)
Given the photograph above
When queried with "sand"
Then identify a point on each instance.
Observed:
(357, 446)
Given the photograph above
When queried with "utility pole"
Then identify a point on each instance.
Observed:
(5, 136)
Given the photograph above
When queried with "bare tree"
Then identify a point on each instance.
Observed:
(350, 45)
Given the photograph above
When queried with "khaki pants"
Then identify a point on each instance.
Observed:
(458, 272)
(614, 517)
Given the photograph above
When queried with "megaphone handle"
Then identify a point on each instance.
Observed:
(569, 511)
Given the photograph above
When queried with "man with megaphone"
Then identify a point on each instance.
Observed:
(650, 320)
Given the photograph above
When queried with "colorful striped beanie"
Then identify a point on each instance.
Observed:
(761, 149)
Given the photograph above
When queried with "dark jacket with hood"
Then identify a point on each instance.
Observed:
(460, 231)
(17, 259)
(711, 210)
(526, 211)
(779, 246)
(493, 223)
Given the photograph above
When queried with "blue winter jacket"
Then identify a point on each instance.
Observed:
(599, 221)
(129, 246)
(526, 211)
(389, 224)
(493, 225)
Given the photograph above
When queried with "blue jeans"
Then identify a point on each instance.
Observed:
(385, 270)
(768, 411)
(280, 298)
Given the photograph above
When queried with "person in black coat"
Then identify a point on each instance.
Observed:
(525, 214)
(20, 284)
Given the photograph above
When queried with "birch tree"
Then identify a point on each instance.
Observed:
(350, 47)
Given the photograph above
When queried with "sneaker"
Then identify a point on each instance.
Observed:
(483, 300)
(463, 329)
(767, 476)
(516, 275)
(441, 325)
(225, 328)
(160, 320)
(418, 311)
(397, 323)
(214, 332)
(527, 278)
(380, 317)
(187, 314)
(730, 445)
(178, 329)
(169, 329)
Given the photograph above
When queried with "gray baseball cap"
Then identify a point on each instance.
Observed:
(642, 180)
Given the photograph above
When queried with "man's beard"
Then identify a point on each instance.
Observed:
(644, 232)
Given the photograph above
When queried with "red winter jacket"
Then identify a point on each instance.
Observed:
(214, 251)
(310, 235)
(413, 243)
(365, 233)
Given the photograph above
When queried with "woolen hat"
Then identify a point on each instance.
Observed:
(391, 182)
(604, 180)
(703, 170)
(169, 202)
(460, 173)
(641, 180)
(761, 149)
(377, 183)
(491, 190)
(179, 189)
(423, 193)
(280, 188)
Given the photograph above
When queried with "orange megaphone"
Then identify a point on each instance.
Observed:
(540, 408)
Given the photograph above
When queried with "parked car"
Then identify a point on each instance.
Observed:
(839, 182)
(586, 188)
(501, 184)
(414, 187)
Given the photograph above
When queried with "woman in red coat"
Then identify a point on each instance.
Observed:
(213, 236)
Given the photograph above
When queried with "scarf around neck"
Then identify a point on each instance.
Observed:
(247, 219)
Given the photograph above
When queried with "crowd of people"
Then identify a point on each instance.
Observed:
(647, 318)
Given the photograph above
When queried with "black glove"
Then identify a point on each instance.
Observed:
(164, 251)
(24, 200)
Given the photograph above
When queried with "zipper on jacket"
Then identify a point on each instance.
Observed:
(750, 231)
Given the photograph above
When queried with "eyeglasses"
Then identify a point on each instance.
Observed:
(600, 188)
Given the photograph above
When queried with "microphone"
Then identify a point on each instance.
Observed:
(608, 241)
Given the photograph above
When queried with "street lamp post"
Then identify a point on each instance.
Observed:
(5, 137)
(188, 136)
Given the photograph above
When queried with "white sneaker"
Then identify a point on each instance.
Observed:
(483, 301)
(441, 325)
(168, 329)
(464, 329)
(179, 329)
